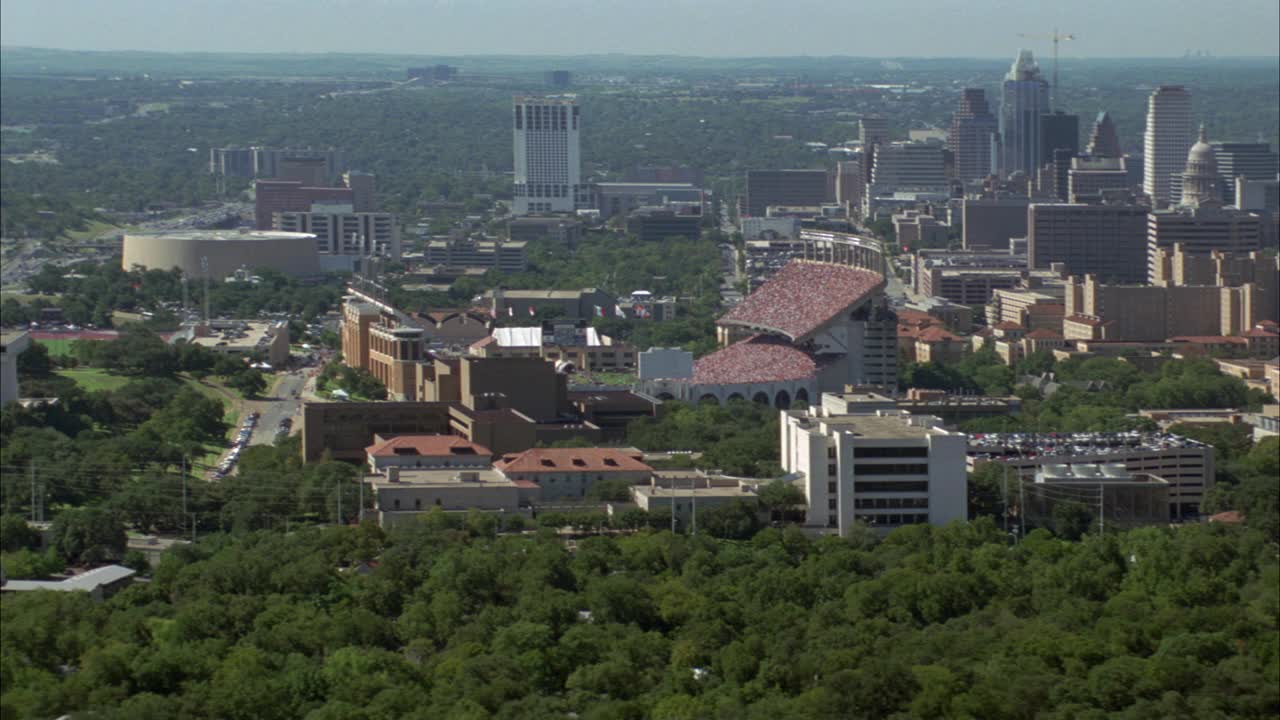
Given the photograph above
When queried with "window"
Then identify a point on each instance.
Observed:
(890, 452)
(397, 504)
(891, 487)
(831, 504)
(893, 469)
(832, 521)
(831, 468)
(831, 487)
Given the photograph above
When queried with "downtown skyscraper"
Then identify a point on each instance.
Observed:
(548, 165)
(1170, 132)
(973, 140)
(1024, 97)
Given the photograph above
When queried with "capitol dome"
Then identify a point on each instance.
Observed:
(1200, 178)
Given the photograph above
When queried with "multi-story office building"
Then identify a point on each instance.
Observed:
(548, 165)
(1024, 98)
(508, 257)
(559, 230)
(342, 234)
(908, 166)
(1109, 241)
(1092, 176)
(989, 223)
(1187, 465)
(861, 461)
(873, 130)
(973, 139)
(806, 188)
(653, 224)
(1058, 131)
(851, 181)
(1252, 161)
(1170, 132)
(1200, 231)
(621, 198)
(267, 163)
(1104, 140)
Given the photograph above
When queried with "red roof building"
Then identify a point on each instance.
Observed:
(570, 472)
(426, 451)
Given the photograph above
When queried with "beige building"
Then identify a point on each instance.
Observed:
(430, 452)
(1031, 309)
(404, 495)
(510, 256)
(1200, 231)
(219, 253)
(563, 473)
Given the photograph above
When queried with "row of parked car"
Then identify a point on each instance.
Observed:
(242, 441)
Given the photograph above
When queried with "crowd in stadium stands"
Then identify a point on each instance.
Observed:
(758, 359)
(804, 296)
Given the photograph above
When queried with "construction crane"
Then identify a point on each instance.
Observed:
(1056, 37)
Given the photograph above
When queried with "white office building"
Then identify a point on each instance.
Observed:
(861, 460)
(548, 164)
(343, 235)
(1170, 132)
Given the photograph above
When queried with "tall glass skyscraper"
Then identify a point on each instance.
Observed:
(1024, 97)
(972, 136)
(1170, 132)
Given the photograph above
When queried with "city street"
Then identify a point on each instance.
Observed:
(284, 403)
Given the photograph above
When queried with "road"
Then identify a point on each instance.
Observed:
(284, 403)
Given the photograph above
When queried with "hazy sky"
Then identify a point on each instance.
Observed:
(948, 28)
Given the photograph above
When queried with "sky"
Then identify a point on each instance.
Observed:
(709, 28)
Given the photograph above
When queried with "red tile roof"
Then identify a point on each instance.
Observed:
(426, 445)
(1044, 334)
(802, 297)
(758, 359)
(1084, 320)
(907, 316)
(559, 460)
(1209, 339)
(1007, 325)
(1259, 332)
(935, 334)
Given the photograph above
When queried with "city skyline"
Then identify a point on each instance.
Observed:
(714, 28)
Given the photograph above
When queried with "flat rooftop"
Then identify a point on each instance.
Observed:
(443, 478)
(255, 333)
(877, 427)
(222, 235)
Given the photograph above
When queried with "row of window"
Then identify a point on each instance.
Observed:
(881, 520)
(892, 469)
(890, 452)
(890, 503)
(891, 487)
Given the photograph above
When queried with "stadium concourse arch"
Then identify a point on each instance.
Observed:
(818, 324)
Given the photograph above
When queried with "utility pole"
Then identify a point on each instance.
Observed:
(184, 491)
(693, 503)
(1022, 509)
(204, 270)
(32, 465)
(1102, 510)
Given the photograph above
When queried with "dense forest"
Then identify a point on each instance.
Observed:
(445, 620)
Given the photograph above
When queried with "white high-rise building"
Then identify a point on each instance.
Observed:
(1170, 132)
(548, 166)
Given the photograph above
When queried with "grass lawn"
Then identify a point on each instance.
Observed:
(26, 298)
(92, 229)
(613, 378)
(92, 378)
(58, 347)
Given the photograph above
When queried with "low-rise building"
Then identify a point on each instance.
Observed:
(557, 230)
(563, 473)
(405, 495)
(1186, 464)
(681, 495)
(509, 256)
(100, 583)
(575, 344)
(242, 338)
(1109, 491)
